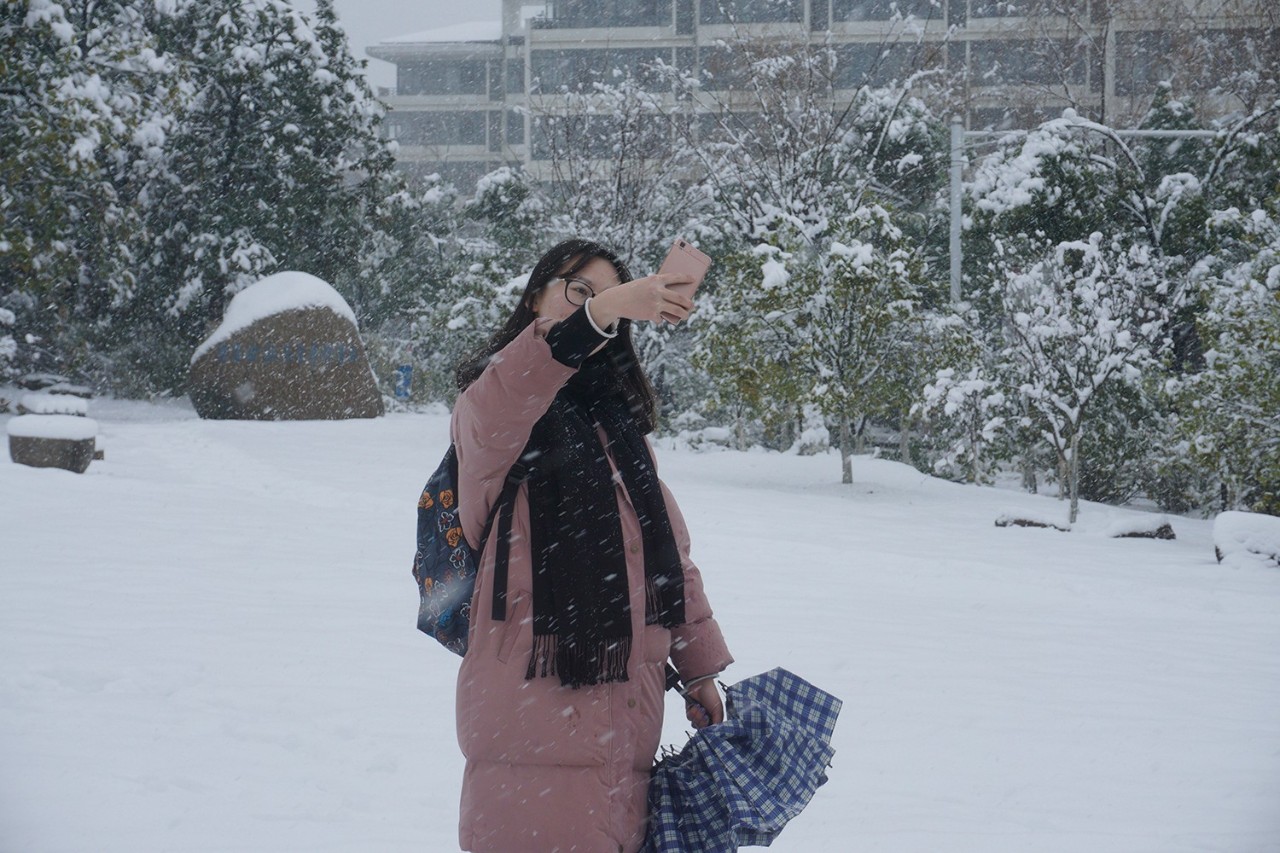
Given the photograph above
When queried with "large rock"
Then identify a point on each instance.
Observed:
(288, 349)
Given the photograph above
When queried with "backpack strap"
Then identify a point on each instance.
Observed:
(504, 510)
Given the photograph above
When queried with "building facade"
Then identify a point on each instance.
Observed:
(469, 98)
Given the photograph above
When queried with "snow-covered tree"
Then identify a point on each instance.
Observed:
(799, 324)
(1089, 315)
(610, 175)
(158, 156)
(805, 151)
(1229, 412)
(828, 201)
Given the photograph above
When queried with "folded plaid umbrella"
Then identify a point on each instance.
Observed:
(737, 783)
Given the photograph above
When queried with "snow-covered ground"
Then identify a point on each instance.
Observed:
(207, 643)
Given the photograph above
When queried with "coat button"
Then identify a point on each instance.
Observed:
(635, 548)
(631, 703)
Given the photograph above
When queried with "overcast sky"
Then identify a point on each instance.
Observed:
(368, 22)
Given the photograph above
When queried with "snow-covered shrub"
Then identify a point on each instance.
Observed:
(813, 437)
(966, 413)
(1243, 537)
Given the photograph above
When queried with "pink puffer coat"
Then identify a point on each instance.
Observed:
(552, 769)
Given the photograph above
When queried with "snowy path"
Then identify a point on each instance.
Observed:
(207, 644)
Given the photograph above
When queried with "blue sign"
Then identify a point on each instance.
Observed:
(404, 380)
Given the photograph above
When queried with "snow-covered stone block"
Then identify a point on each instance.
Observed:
(1024, 518)
(53, 441)
(707, 438)
(52, 404)
(1246, 537)
(288, 349)
(40, 381)
(1141, 527)
(66, 388)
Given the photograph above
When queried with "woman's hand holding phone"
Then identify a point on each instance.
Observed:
(648, 298)
(668, 295)
(685, 259)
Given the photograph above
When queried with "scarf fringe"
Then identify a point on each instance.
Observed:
(578, 667)
(544, 654)
(666, 611)
(652, 602)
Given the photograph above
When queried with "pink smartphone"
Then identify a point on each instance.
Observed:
(686, 260)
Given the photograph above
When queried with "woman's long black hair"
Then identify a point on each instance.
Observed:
(566, 259)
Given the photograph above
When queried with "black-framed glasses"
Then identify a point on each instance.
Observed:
(577, 291)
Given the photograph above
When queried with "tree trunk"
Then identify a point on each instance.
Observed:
(1064, 475)
(740, 432)
(846, 450)
(1075, 475)
(904, 437)
(974, 465)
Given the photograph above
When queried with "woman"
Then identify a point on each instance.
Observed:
(560, 694)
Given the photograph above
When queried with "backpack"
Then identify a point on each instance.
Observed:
(445, 566)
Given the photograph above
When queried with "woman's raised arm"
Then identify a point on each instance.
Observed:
(494, 416)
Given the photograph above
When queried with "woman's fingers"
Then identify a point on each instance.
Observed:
(650, 298)
(704, 706)
(675, 306)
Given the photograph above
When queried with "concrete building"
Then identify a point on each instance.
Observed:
(468, 97)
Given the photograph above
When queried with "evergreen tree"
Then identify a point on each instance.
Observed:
(87, 98)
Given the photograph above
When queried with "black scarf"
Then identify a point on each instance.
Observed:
(581, 601)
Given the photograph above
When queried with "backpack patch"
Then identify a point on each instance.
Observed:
(444, 566)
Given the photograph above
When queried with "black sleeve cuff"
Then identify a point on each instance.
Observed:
(573, 339)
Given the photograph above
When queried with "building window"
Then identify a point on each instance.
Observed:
(875, 64)
(883, 10)
(495, 131)
(751, 11)
(740, 128)
(515, 75)
(595, 14)
(819, 15)
(515, 128)
(600, 137)
(441, 77)
(556, 70)
(438, 128)
(724, 68)
(684, 17)
(1041, 62)
(1143, 59)
(1077, 9)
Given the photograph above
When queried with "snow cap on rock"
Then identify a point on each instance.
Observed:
(275, 294)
